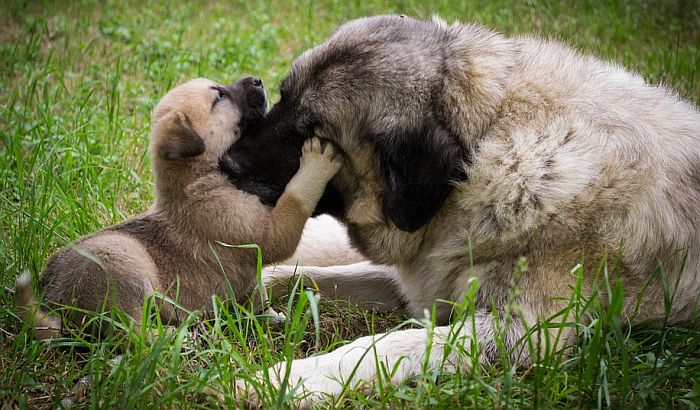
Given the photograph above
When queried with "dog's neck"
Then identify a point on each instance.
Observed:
(482, 68)
(173, 177)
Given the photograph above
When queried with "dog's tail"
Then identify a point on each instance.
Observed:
(45, 325)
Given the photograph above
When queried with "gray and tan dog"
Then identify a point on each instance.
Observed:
(467, 150)
(173, 248)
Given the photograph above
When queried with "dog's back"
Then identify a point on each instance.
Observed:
(637, 156)
(581, 158)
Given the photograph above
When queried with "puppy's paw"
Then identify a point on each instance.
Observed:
(321, 156)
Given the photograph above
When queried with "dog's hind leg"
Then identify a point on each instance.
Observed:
(363, 283)
(324, 242)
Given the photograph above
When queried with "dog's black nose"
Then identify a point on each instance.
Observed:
(257, 82)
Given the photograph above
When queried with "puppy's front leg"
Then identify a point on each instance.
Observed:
(319, 163)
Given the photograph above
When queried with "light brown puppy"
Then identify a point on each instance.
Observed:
(174, 248)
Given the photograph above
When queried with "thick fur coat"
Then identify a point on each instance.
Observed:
(467, 150)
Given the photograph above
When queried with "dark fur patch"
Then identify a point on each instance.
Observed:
(250, 100)
(348, 56)
(267, 156)
(352, 66)
(418, 168)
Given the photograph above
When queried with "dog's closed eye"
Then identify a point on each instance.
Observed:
(223, 94)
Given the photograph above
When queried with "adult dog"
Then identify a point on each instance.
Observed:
(467, 150)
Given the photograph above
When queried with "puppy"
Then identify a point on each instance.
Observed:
(181, 246)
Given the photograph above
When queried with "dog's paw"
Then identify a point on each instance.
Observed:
(322, 156)
(310, 380)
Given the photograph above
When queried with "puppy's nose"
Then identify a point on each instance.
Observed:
(257, 82)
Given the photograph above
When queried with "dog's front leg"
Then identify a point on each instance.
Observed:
(391, 357)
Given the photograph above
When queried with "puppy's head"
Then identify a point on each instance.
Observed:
(200, 119)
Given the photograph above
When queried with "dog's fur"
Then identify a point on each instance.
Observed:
(324, 242)
(467, 150)
(173, 248)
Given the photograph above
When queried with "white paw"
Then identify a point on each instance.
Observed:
(321, 377)
(310, 379)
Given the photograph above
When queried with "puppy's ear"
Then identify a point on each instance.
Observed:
(418, 169)
(178, 139)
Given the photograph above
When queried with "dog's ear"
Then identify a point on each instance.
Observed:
(418, 169)
(178, 139)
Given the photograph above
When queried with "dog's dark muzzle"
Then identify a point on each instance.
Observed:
(251, 100)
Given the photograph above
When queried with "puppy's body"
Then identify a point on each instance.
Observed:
(468, 150)
(175, 248)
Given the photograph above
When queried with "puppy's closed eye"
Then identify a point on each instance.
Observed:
(222, 95)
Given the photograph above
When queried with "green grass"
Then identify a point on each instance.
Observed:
(77, 83)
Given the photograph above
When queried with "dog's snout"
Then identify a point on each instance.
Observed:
(257, 82)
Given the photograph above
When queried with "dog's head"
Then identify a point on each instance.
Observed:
(201, 119)
(401, 98)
